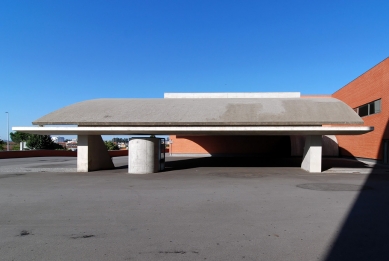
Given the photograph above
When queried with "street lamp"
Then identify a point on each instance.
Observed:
(7, 130)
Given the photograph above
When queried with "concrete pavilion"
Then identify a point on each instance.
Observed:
(197, 114)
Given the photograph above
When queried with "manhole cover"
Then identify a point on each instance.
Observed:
(333, 187)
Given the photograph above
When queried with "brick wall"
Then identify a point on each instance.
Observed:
(370, 86)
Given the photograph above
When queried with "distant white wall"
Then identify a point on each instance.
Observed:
(58, 139)
(23, 145)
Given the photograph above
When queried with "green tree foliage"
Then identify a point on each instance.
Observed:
(33, 142)
(1, 144)
(111, 146)
(125, 140)
(18, 137)
(42, 142)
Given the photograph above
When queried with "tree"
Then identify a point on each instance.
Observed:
(1, 144)
(33, 142)
(18, 137)
(116, 140)
(16, 147)
(111, 146)
(42, 142)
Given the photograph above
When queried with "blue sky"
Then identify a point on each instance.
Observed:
(55, 53)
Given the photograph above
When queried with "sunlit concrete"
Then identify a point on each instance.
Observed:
(92, 154)
(204, 112)
(330, 145)
(199, 130)
(232, 95)
(312, 154)
(144, 155)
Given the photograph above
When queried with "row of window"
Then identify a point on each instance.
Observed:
(368, 109)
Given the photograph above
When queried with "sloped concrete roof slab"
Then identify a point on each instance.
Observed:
(204, 112)
(200, 130)
(206, 95)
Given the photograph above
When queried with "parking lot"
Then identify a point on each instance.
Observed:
(198, 209)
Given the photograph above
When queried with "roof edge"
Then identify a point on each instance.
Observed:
(204, 95)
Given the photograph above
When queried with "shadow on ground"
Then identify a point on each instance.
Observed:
(188, 163)
(364, 235)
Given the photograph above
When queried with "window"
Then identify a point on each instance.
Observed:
(375, 107)
(363, 110)
(368, 109)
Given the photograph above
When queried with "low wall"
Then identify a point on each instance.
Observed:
(51, 153)
(118, 153)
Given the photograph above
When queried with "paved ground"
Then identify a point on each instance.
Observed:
(199, 209)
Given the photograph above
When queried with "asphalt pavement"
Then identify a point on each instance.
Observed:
(198, 209)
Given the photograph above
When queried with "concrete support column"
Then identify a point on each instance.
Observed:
(312, 154)
(92, 154)
(144, 155)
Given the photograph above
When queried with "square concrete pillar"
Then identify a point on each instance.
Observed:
(312, 155)
(92, 154)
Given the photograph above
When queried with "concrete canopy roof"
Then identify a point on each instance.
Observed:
(204, 112)
(209, 130)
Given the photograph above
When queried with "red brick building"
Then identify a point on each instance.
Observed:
(368, 95)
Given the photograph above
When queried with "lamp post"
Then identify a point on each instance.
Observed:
(7, 130)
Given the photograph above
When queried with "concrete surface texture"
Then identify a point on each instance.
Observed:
(144, 155)
(197, 130)
(92, 154)
(199, 209)
(41, 164)
(181, 95)
(330, 145)
(312, 154)
(368, 87)
(204, 112)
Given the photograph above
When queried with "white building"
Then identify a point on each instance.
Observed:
(58, 139)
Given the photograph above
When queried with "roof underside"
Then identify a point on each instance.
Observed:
(204, 112)
(209, 130)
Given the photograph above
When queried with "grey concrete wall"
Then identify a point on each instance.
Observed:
(92, 154)
(330, 146)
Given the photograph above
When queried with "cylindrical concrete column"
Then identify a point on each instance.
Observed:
(143, 155)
